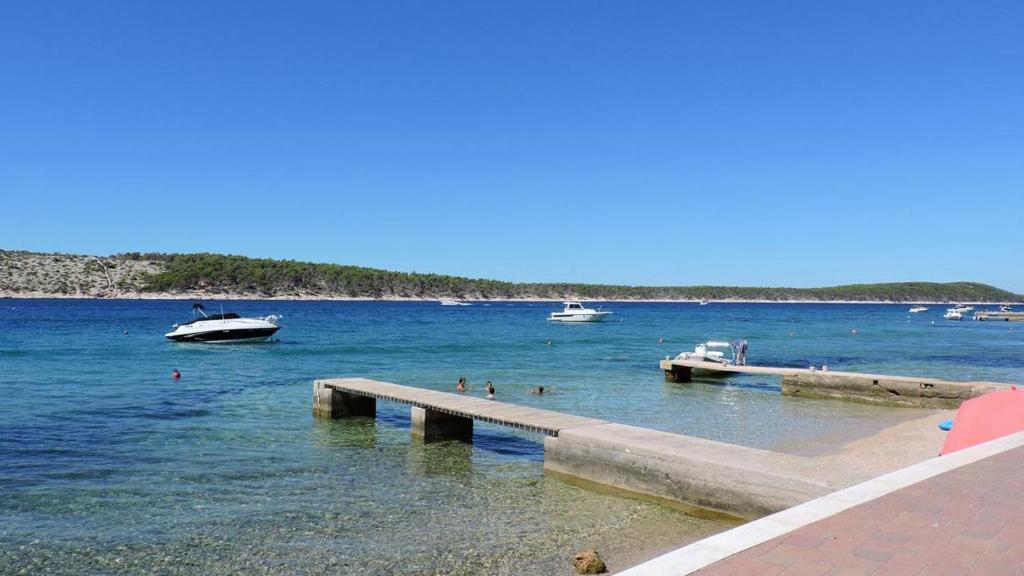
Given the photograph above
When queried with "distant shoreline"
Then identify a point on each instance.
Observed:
(136, 276)
(202, 296)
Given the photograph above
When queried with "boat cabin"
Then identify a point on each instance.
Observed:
(204, 318)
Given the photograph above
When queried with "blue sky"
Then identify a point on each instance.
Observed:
(751, 143)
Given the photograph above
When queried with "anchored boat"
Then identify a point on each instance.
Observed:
(575, 312)
(953, 314)
(453, 302)
(223, 328)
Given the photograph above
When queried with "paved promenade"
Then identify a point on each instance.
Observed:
(967, 521)
(962, 513)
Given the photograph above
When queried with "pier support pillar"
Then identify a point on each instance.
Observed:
(431, 425)
(331, 403)
(678, 374)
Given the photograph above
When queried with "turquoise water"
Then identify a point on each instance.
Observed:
(109, 466)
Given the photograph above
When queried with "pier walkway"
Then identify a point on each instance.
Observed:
(856, 386)
(545, 422)
(990, 315)
(962, 513)
(697, 474)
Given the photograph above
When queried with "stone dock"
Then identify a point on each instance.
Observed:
(695, 474)
(999, 315)
(855, 386)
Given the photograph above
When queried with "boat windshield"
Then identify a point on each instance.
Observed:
(227, 316)
(574, 307)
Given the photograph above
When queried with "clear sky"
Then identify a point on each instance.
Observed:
(752, 143)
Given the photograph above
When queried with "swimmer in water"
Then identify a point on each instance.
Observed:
(490, 390)
(461, 386)
(175, 374)
(537, 391)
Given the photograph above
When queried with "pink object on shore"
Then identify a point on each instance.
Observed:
(985, 418)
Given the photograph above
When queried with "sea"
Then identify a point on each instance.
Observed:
(110, 466)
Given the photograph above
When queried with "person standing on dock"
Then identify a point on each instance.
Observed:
(490, 390)
(739, 350)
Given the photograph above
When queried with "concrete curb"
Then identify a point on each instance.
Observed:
(703, 553)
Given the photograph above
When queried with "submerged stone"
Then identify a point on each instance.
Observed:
(588, 562)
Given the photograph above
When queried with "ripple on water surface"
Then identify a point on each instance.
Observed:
(111, 467)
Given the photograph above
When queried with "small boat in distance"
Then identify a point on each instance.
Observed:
(953, 314)
(453, 302)
(575, 312)
(962, 308)
(703, 302)
(223, 328)
(917, 309)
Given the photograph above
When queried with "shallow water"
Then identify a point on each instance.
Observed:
(109, 466)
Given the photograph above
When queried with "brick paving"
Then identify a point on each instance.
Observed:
(969, 521)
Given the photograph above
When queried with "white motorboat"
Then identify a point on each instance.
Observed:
(962, 308)
(703, 302)
(953, 314)
(917, 309)
(575, 312)
(223, 328)
(453, 302)
(705, 352)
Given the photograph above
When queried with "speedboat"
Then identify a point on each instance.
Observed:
(575, 312)
(917, 309)
(953, 314)
(702, 353)
(962, 308)
(1005, 308)
(453, 302)
(703, 302)
(705, 353)
(223, 328)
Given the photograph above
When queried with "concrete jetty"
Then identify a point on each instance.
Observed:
(343, 397)
(698, 474)
(888, 390)
(999, 315)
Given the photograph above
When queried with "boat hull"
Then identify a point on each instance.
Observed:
(229, 336)
(586, 317)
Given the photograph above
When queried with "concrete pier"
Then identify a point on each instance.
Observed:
(431, 425)
(728, 479)
(697, 474)
(866, 388)
(999, 316)
(332, 403)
